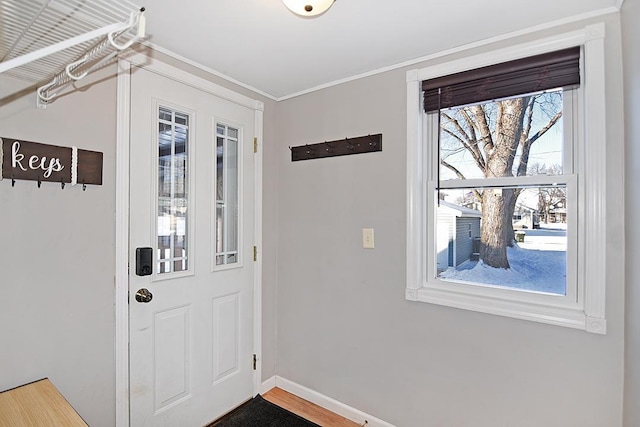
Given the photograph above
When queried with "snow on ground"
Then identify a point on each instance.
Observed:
(537, 264)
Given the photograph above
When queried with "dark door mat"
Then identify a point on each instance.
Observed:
(259, 412)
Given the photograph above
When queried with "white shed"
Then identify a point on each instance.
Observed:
(457, 228)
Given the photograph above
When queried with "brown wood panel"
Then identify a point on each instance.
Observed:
(89, 167)
(37, 404)
(306, 409)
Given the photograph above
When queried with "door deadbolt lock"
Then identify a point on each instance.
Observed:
(144, 261)
(143, 295)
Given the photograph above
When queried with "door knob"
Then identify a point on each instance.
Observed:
(143, 295)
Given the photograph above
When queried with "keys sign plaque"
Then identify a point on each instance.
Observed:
(33, 161)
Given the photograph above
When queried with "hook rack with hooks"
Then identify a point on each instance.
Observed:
(341, 147)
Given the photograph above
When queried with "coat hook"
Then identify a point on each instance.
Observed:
(329, 148)
(39, 182)
(13, 181)
(84, 186)
(309, 149)
(349, 144)
(62, 184)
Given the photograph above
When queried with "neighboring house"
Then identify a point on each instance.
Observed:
(458, 227)
(525, 217)
(558, 214)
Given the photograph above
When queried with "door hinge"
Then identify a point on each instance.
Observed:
(255, 253)
(255, 361)
(255, 144)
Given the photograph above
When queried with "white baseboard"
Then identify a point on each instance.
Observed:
(268, 385)
(323, 401)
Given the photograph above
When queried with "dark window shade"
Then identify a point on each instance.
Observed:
(527, 75)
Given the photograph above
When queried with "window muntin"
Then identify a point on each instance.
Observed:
(173, 191)
(227, 219)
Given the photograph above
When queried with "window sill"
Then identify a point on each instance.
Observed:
(559, 316)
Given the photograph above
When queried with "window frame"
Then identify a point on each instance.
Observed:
(587, 309)
(574, 289)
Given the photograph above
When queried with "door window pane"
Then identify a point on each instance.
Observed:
(173, 191)
(227, 199)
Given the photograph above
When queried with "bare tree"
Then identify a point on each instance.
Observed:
(498, 136)
(549, 198)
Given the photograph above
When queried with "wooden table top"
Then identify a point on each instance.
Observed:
(37, 404)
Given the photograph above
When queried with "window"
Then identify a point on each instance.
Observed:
(486, 137)
(173, 191)
(227, 196)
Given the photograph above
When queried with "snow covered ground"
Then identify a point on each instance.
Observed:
(537, 264)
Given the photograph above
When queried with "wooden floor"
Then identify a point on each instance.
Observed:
(307, 409)
(37, 404)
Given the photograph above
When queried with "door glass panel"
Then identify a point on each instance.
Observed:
(227, 207)
(173, 191)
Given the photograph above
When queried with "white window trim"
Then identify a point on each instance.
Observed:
(589, 311)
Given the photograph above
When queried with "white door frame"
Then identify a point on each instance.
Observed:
(122, 216)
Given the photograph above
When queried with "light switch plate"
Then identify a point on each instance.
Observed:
(367, 238)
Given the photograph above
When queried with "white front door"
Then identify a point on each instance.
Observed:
(192, 203)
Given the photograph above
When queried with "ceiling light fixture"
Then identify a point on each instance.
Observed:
(308, 8)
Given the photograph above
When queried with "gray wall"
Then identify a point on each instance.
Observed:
(344, 327)
(630, 38)
(57, 257)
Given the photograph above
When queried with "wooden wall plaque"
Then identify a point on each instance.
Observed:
(33, 161)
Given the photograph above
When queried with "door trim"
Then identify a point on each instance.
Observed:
(122, 215)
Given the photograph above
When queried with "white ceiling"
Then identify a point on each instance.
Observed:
(261, 44)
